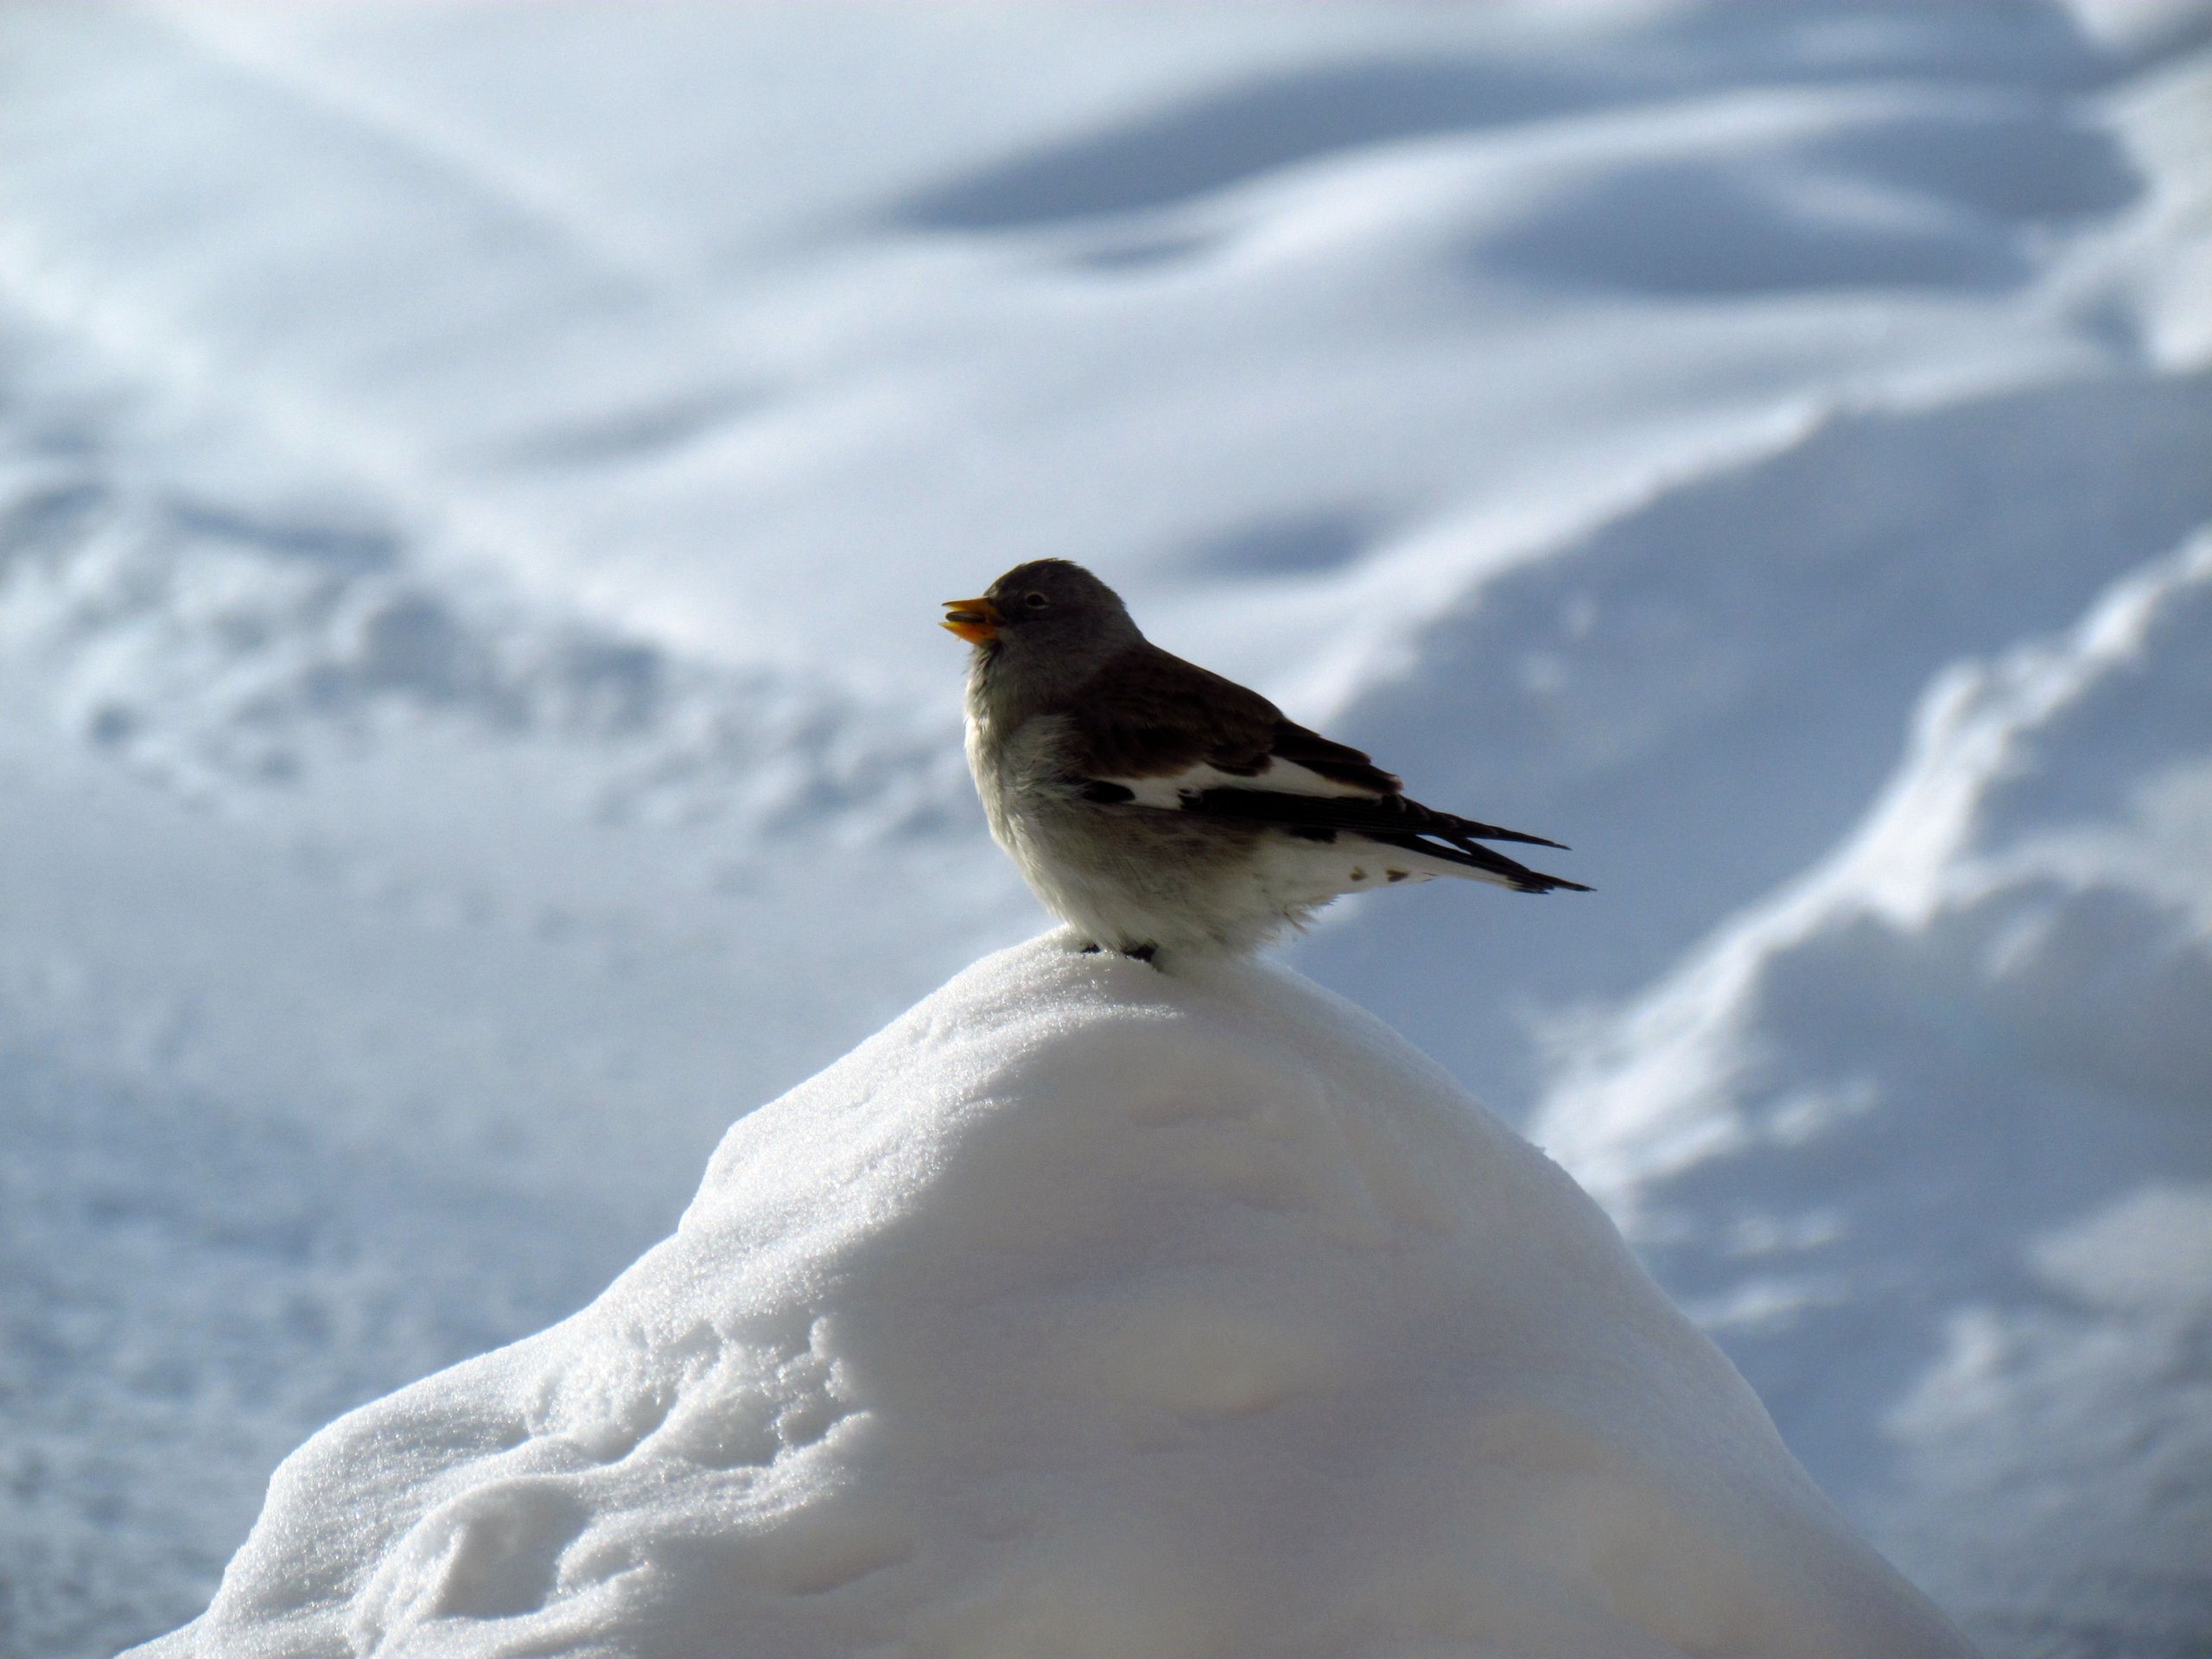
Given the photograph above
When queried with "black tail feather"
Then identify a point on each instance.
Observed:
(1465, 829)
(1391, 819)
(1481, 858)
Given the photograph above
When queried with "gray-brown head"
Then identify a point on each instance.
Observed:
(1042, 630)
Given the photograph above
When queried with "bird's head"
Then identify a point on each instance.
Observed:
(1049, 619)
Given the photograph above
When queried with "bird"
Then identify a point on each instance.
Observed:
(1159, 809)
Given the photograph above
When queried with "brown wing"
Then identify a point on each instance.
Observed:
(1149, 714)
(1338, 762)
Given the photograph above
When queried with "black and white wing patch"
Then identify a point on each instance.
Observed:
(1304, 800)
(1153, 731)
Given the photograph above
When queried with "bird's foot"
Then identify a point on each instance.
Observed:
(1134, 952)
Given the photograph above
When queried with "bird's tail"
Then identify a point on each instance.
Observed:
(1478, 863)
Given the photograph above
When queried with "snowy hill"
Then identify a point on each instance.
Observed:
(475, 483)
(1089, 1311)
(1928, 1130)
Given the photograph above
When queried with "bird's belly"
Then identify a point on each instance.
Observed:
(1126, 876)
(1132, 876)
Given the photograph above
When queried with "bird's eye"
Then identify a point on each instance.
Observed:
(1035, 601)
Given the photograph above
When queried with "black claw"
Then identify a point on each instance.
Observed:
(1090, 950)
(1140, 953)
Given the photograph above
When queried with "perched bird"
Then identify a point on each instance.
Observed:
(1154, 806)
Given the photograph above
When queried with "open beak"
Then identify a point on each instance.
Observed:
(974, 620)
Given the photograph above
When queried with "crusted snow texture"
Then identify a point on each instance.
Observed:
(1095, 1312)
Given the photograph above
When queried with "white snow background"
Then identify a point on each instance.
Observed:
(475, 482)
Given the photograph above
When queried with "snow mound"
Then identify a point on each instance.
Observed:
(1088, 1310)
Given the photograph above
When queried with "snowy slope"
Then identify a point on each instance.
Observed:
(1088, 1309)
(474, 485)
(1924, 1135)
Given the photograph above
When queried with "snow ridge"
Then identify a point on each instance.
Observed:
(1972, 1023)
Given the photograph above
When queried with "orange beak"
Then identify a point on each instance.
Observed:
(975, 621)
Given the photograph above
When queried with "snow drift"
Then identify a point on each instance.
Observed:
(1928, 1128)
(1088, 1310)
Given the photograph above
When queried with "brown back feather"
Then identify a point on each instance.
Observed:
(1149, 714)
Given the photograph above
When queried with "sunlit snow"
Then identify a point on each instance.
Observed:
(1093, 1310)
(475, 486)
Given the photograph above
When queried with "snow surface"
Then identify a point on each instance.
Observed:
(475, 483)
(1925, 1133)
(1097, 1312)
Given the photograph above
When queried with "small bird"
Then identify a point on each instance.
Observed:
(1155, 807)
